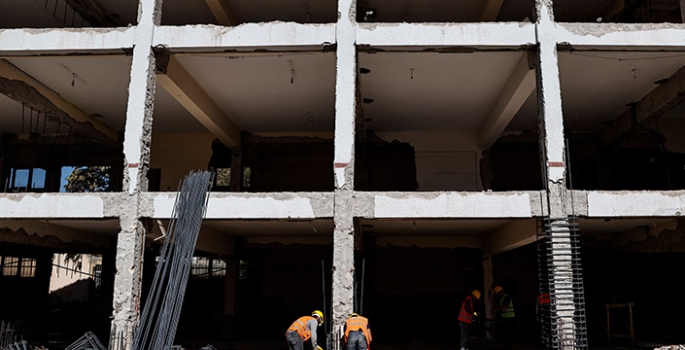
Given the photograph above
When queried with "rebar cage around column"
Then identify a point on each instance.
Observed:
(561, 299)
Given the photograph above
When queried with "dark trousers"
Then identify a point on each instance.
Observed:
(507, 330)
(356, 341)
(294, 341)
(464, 328)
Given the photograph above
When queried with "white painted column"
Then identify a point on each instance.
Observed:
(552, 138)
(137, 140)
(343, 234)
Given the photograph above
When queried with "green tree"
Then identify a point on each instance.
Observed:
(88, 179)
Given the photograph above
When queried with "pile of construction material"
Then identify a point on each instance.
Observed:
(671, 347)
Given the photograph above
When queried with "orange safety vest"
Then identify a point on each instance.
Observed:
(543, 299)
(358, 323)
(300, 326)
(465, 316)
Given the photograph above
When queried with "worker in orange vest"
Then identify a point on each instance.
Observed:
(357, 332)
(466, 314)
(303, 329)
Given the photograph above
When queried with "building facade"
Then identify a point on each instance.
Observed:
(369, 156)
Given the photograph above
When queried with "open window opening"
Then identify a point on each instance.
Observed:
(623, 115)
(264, 123)
(435, 121)
(623, 11)
(57, 279)
(68, 13)
(236, 12)
(62, 121)
(243, 270)
(446, 11)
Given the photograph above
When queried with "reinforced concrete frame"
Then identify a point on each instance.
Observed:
(344, 204)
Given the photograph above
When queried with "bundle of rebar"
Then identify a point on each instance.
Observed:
(560, 277)
(159, 320)
(7, 335)
(87, 342)
(22, 345)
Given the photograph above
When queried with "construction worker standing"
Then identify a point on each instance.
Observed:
(357, 332)
(504, 312)
(468, 310)
(303, 329)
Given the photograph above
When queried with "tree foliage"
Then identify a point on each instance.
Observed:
(88, 179)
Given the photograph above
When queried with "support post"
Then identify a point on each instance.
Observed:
(345, 106)
(137, 138)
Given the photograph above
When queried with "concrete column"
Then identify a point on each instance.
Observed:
(345, 106)
(552, 142)
(488, 279)
(229, 295)
(137, 140)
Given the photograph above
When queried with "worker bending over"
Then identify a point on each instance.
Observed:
(468, 310)
(357, 332)
(303, 329)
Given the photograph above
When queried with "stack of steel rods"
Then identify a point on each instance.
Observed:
(7, 334)
(162, 310)
(87, 342)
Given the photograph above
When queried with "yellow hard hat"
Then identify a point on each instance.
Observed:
(497, 289)
(476, 293)
(354, 314)
(318, 314)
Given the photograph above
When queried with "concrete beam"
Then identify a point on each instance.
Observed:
(181, 85)
(635, 204)
(60, 41)
(59, 205)
(491, 10)
(656, 103)
(510, 236)
(496, 34)
(92, 12)
(310, 205)
(23, 88)
(222, 12)
(446, 205)
(625, 35)
(515, 92)
(272, 36)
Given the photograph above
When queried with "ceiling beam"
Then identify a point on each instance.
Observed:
(222, 12)
(510, 236)
(174, 78)
(657, 102)
(92, 12)
(23, 88)
(491, 10)
(517, 89)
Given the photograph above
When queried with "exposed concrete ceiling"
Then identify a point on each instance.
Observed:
(103, 227)
(289, 92)
(51, 13)
(175, 12)
(419, 91)
(433, 227)
(96, 84)
(444, 10)
(597, 86)
(273, 228)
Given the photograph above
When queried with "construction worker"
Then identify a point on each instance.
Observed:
(468, 310)
(357, 333)
(504, 312)
(303, 329)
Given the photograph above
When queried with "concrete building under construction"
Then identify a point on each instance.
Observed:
(379, 156)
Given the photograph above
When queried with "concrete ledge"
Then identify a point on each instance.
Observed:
(635, 204)
(446, 204)
(63, 41)
(497, 34)
(247, 205)
(621, 35)
(58, 205)
(273, 36)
